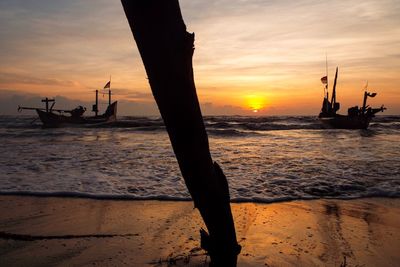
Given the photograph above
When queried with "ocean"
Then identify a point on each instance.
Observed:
(266, 159)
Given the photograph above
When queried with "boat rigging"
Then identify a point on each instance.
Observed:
(51, 117)
(356, 118)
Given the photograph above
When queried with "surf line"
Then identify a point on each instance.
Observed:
(21, 237)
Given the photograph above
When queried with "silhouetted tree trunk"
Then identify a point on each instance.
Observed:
(167, 49)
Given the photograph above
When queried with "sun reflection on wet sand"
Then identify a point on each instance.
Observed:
(318, 233)
(157, 233)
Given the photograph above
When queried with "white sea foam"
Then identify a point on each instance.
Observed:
(265, 159)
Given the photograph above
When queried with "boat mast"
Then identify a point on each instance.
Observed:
(96, 105)
(333, 100)
(327, 80)
(109, 93)
(47, 100)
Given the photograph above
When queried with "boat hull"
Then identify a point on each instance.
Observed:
(346, 122)
(52, 120)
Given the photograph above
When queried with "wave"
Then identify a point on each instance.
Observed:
(375, 194)
(391, 125)
(213, 124)
(230, 132)
(92, 196)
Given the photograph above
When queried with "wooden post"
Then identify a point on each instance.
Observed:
(167, 49)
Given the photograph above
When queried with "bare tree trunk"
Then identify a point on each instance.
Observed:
(167, 49)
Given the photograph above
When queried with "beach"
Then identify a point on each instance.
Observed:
(115, 196)
(60, 231)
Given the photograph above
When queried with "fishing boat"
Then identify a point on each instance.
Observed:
(356, 118)
(52, 118)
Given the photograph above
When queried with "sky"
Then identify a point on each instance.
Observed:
(252, 57)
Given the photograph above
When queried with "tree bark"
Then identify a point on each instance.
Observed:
(167, 49)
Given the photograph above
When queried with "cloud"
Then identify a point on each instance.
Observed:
(14, 78)
(209, 108)
(11, 99)
(128, 94)
(268, 47)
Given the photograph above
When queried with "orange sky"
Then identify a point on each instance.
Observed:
(263, 55)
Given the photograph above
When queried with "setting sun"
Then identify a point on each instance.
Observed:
(255, 102)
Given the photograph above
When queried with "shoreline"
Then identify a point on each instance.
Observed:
(48, 231)
(107, 197)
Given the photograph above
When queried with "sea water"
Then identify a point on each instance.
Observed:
(265, 159)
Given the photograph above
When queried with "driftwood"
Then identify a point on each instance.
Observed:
(167, 49)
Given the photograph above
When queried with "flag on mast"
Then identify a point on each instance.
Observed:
(324, 79)
(107, 85)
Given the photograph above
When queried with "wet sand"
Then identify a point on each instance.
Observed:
(47, 231)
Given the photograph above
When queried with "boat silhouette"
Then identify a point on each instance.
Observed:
(52, 118)
(356, 118)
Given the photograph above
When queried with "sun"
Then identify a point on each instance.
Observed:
(255, 103)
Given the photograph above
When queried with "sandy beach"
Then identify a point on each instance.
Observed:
(48, 231)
